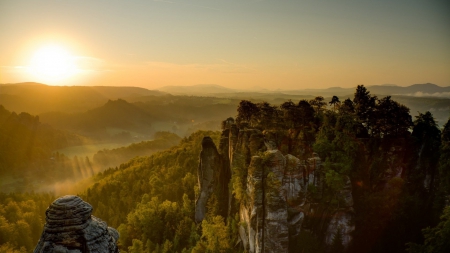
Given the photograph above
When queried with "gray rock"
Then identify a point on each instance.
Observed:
(70, 227)
(276, 171)
(265, 214)
(213, 178)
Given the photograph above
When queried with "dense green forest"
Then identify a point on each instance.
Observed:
(112, 157)
(27, 144)
(399, 167)
(119, 120)
(29, 160)
(22, 217)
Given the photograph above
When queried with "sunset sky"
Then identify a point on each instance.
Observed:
(273, 44)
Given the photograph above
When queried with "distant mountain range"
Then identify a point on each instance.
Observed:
(67, 107)
(197, 89)
(36, 98)
(427, 89)
(117, 114)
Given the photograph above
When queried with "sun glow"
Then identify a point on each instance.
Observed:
(52, 63)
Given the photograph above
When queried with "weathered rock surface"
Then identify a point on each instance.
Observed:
(273, 187)
(71, 228)
(213, 179)
(342, 220)
(277, 204)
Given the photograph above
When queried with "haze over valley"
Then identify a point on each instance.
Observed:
(247, 126)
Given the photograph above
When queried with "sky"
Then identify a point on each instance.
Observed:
(243, 44)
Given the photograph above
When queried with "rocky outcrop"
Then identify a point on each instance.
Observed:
(274, 212)
(213, 178)
(342, 220)
(265, 214)
(71, 228)
(280, 193)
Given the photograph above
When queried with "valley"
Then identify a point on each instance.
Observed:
(307, 175)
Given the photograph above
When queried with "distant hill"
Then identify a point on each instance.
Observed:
(114, 157)
(26, 143)
(116, 119)
(199, 89)
(428, 89)
(119, 119)
(418, 97)
(38, 98)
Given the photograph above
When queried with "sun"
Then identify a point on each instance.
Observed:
(52, 63)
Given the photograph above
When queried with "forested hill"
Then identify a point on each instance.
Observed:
(112, 157)
(151, 199)
(120, 120)
(27, 145)
(363, 165)
(109, 121)
(38, 98)
(396, 166)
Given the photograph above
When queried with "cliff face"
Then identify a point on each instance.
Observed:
(277, 203)
(213, 179)
(70, 227)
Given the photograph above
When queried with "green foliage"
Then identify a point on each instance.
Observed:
(334, 102)
(215, 236)
(426, 142)
(347, 107)
(27, 145)
(266, 116)
(22, 218)
(334, 180)
(151, 199)
(114, 157)
(318, 103)
(391, 119)
(436, 238)
(444, 160)
(246, 111)
(337, 143)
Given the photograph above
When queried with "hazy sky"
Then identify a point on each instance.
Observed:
(234, 43)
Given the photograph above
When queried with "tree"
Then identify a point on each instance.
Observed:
(138, 247)
(446, 132)
(226, 124)
(246, 110)
(347, 107)
(436, 239)
(391, 119)
(216, 235)
(334, 101)
(289, 110)
(267, 115)
(444, 160)
(364, 106)
(318, 103)
(305, 113)
(427, 140)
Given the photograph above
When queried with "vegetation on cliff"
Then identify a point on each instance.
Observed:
(398, 169)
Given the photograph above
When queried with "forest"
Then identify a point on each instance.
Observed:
(398, 165)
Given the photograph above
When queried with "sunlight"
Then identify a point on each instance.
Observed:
(52, 63)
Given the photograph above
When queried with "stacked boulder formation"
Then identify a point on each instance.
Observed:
(70, 228)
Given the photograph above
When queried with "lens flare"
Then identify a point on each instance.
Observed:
(52, 63)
